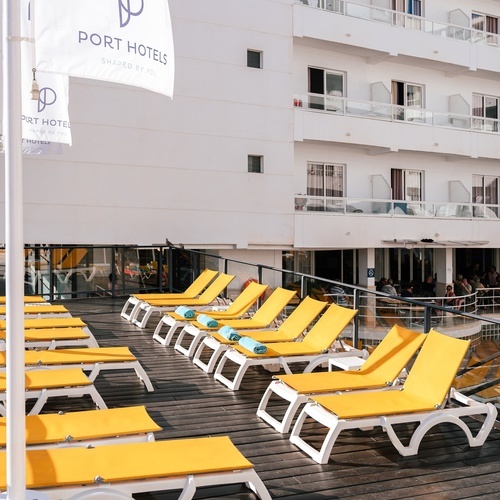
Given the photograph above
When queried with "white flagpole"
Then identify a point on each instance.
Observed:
(14, 282)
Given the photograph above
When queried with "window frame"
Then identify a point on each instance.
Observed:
(251, 164)
(251, 52)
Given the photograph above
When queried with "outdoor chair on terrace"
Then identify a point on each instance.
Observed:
(424, 399)
(195, 289)
(118, 471)
(289, 331)
(86, 428)
(381, 369)
(240, 307)
(147, 308)
(318, 340)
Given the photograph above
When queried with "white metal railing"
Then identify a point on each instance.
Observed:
(396, 208)
(393, 112)
(404, 20)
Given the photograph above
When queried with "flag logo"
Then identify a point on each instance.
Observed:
(48, 97)
(126, 12)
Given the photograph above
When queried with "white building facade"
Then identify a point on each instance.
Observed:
(359, 139)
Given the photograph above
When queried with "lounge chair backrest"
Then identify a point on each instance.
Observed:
(200, 283)
(215, 288)
(273, 306)
(57, 255)
(393, 353)
(432, 374)
(331, 324)
(73, 258)
(302, 316)
(244, 301)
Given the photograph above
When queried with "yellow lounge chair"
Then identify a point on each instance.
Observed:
(195, 289)
(263, 318)
(43, 311)
(147, 308)
(52, 338)
(289, 331)
(49, 323)
(380, 369)
(93, 359)
(126, 469)
(86, 428)
(28, 299)
(422, 400)
(43, 384)
(238, 308)
(316, 341)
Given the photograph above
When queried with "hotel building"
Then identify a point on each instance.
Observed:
(351, 140)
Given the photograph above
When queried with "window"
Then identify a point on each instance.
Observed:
(484, 24)
(486, 109)
(411, 7)
(326, 89)
(325, 180)
(254, 59)
(408, 100)
(255, 164)
(407, 185)
(485, 189)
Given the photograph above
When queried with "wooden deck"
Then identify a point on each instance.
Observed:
(187, 403)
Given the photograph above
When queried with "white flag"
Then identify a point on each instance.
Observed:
(123, 41)
(41, 148)
(44, 120)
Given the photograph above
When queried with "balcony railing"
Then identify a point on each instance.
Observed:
(394, 112)
(404, 20)
(396, 208)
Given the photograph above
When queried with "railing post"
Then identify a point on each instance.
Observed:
(160, 270)
(427, 318)
(355, 331)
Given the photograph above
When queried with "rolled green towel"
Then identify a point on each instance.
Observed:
(207, 321)
(185, 312)
(252, 345)
(229, 333)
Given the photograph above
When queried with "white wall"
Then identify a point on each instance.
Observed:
(144, 167)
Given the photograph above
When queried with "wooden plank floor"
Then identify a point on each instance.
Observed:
(188, 403)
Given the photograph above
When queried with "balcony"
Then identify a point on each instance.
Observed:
(396, 208)
(312, 19)
(337, 119)
(322, 222)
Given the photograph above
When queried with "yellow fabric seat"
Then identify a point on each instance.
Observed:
(264, 317)
(129, 423)
(422, 399)
(40, 310)
(49, 323)
(195, 289)
(381, 369)
(146, 308)
(137, 467)
(318, 340)
(93, 359)
(50, 338)
(28, 299)
(42, 384)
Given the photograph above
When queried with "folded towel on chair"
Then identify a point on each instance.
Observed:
(252, 345)
(207, 321)
(185, 312)
(229, 333)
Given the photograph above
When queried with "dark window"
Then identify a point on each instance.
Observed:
(255, 164)
(254, 59)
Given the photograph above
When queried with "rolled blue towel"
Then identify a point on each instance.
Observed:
(229, 333)
(207, 321)
(252, 345)
(185, 312)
